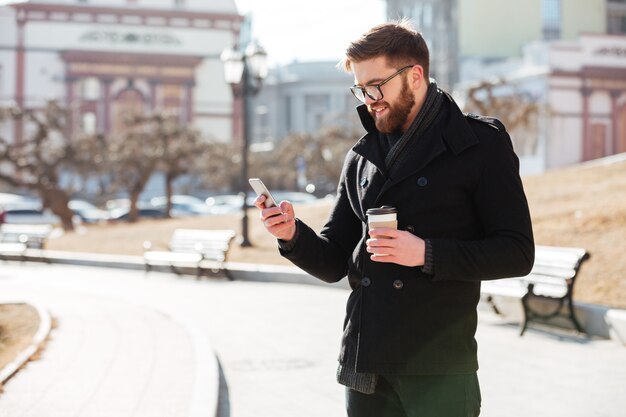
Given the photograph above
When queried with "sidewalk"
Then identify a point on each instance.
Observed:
(122, 349)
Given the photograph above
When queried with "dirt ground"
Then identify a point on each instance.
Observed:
(18, 325)
(582, 206)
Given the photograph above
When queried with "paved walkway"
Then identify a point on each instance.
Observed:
(127, 345)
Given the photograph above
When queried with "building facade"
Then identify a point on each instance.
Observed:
(438, 21)
(465, 33)
(580, 89)
(587, 98)
(105, 59)
(303, 97)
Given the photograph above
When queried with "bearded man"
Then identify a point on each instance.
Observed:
(408, 347)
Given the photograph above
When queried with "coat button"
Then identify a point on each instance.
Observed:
(365, 282)
(398, 284)
(363, 182)
(422, 181)
(410, 228)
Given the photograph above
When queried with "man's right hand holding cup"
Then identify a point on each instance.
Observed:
(279, 220)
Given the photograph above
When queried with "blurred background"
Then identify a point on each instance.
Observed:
(114, 110)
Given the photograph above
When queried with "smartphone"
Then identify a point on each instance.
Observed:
(260, 188)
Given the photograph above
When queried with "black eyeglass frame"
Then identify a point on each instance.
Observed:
(355, 88)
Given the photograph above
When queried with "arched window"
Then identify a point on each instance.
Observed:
(90, 89)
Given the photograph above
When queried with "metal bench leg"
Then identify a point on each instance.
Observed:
(527, 314)
(492, 304)
(572, 316)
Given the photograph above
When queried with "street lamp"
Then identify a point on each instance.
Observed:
(245, 72)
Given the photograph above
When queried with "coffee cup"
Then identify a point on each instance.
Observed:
(385, 216)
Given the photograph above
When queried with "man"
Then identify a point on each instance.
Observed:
(408, 347)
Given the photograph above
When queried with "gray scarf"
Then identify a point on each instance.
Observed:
(347, 375)
(425, 117)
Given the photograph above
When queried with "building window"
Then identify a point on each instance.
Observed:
(288, 116)
(551, 19)
(89, 123)
(617, 24)
(90, 89)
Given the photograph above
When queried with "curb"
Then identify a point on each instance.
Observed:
(45, 326)
(205, 393)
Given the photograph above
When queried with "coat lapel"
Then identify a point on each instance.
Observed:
(449, 132)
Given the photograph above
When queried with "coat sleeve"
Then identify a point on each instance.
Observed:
(326, 256)
(506, 248)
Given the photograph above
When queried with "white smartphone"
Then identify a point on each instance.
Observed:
(260, 188)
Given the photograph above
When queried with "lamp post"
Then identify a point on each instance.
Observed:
(245, 72)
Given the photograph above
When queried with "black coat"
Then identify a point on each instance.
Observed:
(458, 186)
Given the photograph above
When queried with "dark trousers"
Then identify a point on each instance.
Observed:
(418, 396)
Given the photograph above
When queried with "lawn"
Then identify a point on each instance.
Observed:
(582, 206)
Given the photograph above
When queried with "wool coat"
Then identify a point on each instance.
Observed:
(458, 186)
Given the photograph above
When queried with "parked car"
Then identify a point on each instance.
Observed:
(182, 205)
(224, 203)
(87, 212)
(30, 215)
(122, 213)
(295, 197)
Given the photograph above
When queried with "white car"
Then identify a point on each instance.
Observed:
(182, 205)
(87, 212)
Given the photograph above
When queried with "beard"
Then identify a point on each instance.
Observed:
(397, 113)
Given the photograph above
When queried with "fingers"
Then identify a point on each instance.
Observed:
(258, 202)
(384, 232)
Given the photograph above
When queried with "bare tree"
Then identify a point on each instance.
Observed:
(38, 161)
(133, 156)
(182, 148)
(320, 156)
(518, 111)
(220, 165)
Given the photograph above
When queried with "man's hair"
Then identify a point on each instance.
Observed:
(397, 41)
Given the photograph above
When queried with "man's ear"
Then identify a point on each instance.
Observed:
(417, 74)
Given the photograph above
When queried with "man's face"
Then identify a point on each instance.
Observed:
(393, 112)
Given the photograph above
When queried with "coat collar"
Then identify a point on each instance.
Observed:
(451, 131)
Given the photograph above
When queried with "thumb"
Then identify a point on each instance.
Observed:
(287, 208)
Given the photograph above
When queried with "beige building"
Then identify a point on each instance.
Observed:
(104, 59)
(463, 32)
(499, 29)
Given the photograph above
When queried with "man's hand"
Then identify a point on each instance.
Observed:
(396, 246)
(280, 220)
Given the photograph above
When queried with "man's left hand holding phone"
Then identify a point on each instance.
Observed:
(279, 220)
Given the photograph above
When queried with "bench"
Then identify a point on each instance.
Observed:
(551, 279)
(202, 250)
(10, 250)
(31, 235)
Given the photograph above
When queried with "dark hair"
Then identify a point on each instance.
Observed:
(397, 41)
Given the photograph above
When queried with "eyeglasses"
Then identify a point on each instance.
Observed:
(373, 91)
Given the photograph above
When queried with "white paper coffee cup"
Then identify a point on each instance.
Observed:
(385, 216)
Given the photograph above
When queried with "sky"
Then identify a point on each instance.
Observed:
(310, 31)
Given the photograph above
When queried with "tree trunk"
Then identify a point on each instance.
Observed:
(57, 200)
(169, 179)
(133, 214)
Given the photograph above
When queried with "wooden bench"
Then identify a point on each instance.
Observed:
(31, 235)
(202, 250)
(552, 278)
